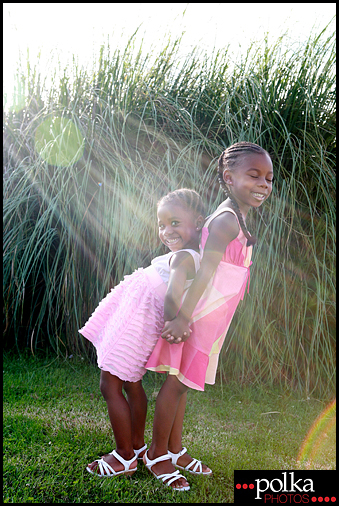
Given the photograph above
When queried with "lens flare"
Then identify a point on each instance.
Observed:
(59, 142)
(316, 435)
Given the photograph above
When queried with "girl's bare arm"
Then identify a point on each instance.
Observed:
(182, 268)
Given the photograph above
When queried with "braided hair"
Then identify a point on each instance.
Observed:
(228, 159)
(185, 197)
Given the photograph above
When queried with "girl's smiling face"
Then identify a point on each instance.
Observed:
(250, 180)
(179, 228)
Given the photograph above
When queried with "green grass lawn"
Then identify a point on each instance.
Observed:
(55, 422)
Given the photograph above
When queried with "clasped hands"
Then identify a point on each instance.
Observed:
(176, 331)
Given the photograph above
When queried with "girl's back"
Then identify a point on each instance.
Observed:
(237, 252)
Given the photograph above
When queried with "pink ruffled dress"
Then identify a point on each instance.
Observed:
(195, 361)
(128, 322)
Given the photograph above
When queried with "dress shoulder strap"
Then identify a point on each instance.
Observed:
(195, 255)
(218, 212)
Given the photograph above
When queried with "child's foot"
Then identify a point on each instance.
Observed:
(182, 459)
(116, 465)
(166, 467)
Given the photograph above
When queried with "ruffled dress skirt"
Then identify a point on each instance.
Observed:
(127, 324)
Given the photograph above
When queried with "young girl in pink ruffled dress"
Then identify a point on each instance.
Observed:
(192, 340)
(127, 323)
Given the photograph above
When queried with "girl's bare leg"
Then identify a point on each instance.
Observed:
(166, 408)
(137, 401)
(175, 439)
(121, 420)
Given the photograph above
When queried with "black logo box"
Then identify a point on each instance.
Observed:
(286, 487)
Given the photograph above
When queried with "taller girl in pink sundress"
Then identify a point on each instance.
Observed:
(195, 361)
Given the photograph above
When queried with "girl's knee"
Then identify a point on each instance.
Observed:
(176, 384)
(133, 388)
(132, 385)
(109, 384)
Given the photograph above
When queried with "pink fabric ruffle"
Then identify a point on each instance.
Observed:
(127, 323)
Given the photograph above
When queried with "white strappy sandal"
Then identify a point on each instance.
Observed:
(107, 471)
(197, 465)
(171, 477)
(137, 452)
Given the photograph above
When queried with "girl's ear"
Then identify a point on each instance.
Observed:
(226, 175)
(200, 222)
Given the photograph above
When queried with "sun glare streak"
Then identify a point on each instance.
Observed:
(315, 437)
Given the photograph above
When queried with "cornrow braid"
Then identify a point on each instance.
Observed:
(227, 160)
(189, 198)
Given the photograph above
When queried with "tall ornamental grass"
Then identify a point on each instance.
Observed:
(87, 157)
